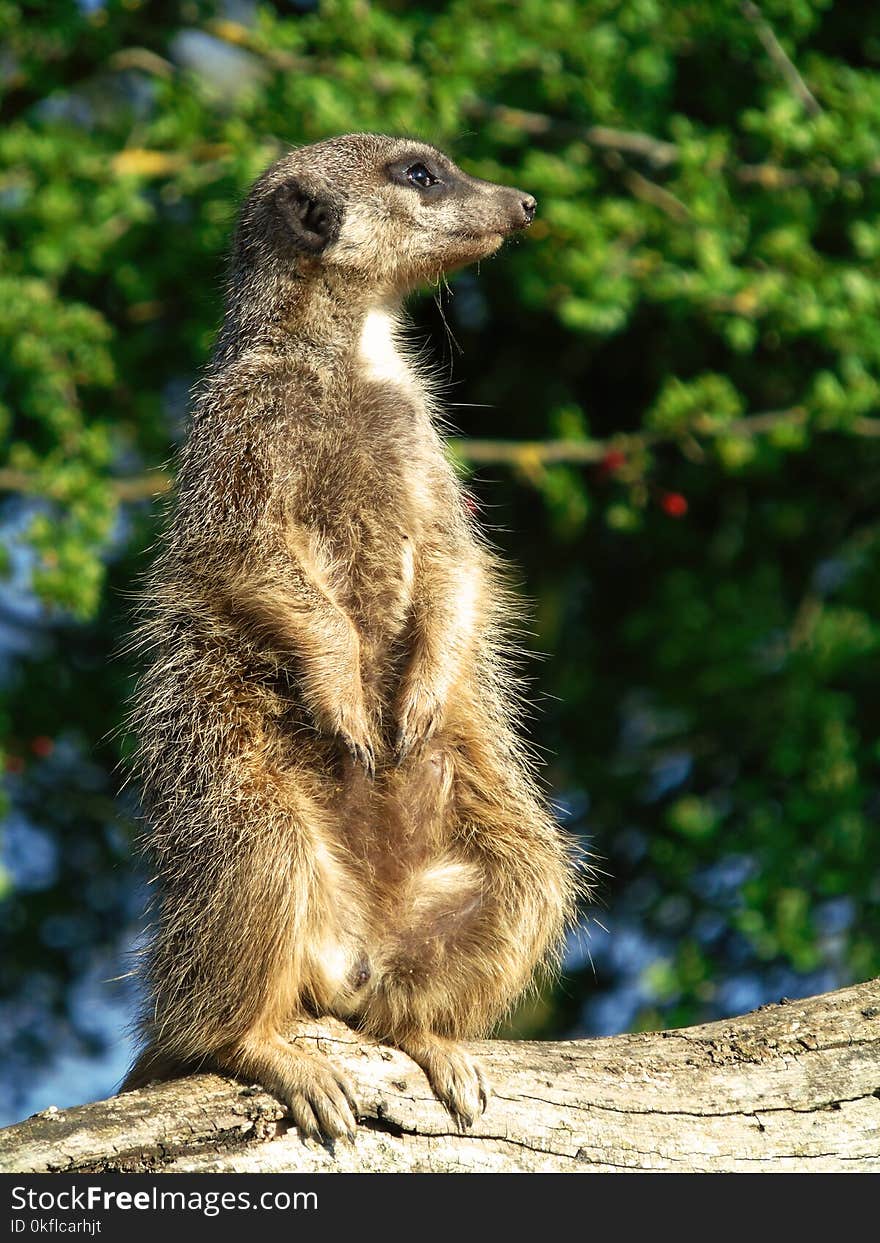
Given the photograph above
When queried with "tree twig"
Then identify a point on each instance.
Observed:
(785, 66)
(649, 192)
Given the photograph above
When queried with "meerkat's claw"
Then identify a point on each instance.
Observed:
(363, 754)
(402, 747)
(485, 1087)
(417, 726)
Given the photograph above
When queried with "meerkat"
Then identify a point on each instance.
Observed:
(341, 817)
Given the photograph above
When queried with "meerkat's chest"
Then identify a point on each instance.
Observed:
(391, 501)
(367, 483)
(383, 547)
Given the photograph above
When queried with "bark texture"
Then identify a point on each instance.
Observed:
(791, 1087)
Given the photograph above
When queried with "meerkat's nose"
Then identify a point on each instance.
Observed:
(519, 208)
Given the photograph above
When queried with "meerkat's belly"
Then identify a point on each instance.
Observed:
(418, 884)
(434, 903)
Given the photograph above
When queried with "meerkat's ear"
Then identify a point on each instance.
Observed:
(310, 215)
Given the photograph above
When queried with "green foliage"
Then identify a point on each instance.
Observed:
(694, 313)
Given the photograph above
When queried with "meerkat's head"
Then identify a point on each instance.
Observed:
(396, 211)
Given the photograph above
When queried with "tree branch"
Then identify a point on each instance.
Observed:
(790, 1087)
(136, 488)
(519, 454)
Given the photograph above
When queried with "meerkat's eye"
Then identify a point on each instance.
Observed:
(421, 176)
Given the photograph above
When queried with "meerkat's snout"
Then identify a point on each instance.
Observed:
(511, 209)
(522, 208)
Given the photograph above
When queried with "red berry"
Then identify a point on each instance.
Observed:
(674, 504)
(613, 461)
(42, 746)
(14, 764)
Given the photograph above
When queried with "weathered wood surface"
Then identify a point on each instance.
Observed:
(791, 1087)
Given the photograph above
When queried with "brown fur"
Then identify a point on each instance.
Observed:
(341, 817)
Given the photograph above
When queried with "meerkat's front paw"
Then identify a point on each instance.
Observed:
(457, 1079)
(418, 720)
(362, 752)
(354, 731)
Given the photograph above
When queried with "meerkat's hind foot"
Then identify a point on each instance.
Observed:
(324, 1106)
(320, 1096)
(457, 1080)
